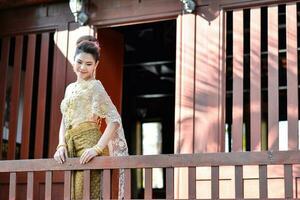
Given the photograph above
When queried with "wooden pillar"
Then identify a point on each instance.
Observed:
(199, 89)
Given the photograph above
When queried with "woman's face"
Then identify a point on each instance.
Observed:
(84, 66)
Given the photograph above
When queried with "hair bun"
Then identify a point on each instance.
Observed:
(89, 39)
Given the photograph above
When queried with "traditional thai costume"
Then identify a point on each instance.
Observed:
(83, 100)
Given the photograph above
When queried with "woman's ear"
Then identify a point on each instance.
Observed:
(97, 63)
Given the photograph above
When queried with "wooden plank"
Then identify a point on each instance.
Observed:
(67, 185)
(15, 95)
(30, 185)
(3, 71)
(178, 83)
(157, 161)
(127, 192)
(263, 182)
(106, 184)
(192, 182)
(148, 183)
(42, 92)
(178, 95)
(170, 183)
(273, 81)
(207, 83)
(215, 182)
(292, 75)
(288, 181)
(188, 79)
(28, 96)
(239, 183)
(255, 79)
(222, 65)
(58, 85)
(48, 185)
(86, 184)
(238, 76)
(12, 186)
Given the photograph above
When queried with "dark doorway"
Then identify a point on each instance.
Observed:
(148, 99)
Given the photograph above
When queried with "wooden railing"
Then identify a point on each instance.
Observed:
(170, 162)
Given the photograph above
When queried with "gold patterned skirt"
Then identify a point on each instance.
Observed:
(78, 139)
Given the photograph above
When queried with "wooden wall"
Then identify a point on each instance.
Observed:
(200, 70)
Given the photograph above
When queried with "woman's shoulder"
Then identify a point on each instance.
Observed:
(97, 84)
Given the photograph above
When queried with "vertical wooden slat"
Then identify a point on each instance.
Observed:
(222, 64)
(288, 181)
(238, 76)
(255, 79)
(29, 185)
(188, 79)
(28, 96)
(239, 184)
(263, 182)
(169, 183)
(58, 84)
(67, 185)
(48, 185)
(127, 192)
(207, 81)
(292, 75)
(15, 95)
(148, 183)
(42, 91)
(3, 71)
(215, 182)
(106, 184)
(12, 185)
(192, 182)
(273, 81)
(86, 184)
(178, 84)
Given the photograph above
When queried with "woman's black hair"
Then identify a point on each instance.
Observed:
(88, 44)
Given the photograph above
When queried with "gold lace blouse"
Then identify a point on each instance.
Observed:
(82, 100)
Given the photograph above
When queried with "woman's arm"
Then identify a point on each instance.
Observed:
(61, 153)
(110, 130)
(61, 135)
(90, 153)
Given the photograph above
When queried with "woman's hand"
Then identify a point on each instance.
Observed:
(87, 155)
(61, 154)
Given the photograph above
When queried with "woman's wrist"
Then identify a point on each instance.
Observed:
(61, 145)
(98, 150)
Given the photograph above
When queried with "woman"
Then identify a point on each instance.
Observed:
(84, 105)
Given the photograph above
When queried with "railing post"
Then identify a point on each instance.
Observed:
(127, 194)
(169, 183)
(12, 185)
(263, 182)
(29, 185)
(48, 185)
(288, 181)
(192, 182)
(86, 184)
(148, 183)
(215, 182)
(106, 184)
(239, 183)
(67, 185)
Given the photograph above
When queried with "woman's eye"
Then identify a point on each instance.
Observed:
(79, 62)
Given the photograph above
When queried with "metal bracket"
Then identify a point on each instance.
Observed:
(189, 6)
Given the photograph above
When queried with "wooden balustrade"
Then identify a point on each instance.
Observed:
(191, 161)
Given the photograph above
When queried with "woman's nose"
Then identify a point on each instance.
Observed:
(82, 66)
